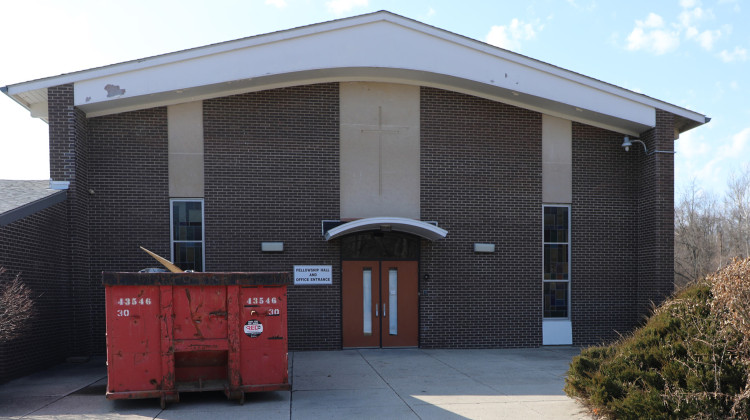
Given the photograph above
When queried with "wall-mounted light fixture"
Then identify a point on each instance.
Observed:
(627, 142)
(272, 246)
(485, 248)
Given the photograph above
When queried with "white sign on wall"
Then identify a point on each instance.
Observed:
(312, 274)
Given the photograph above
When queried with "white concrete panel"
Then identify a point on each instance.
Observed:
(185, 134)
(557, 160)
(186, 127)
(557, 332)
(379, 153)
(378, 44)
(186, 175)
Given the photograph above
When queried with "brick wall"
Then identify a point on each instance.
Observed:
(604, 235)
(272, 174)
(481, 176)
(37, 247)
(128, 166)
(656, 215)
(68, 134)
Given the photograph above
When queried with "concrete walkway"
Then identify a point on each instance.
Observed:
(364, 384)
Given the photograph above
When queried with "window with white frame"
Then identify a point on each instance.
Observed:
(187, 233)
(556, 262)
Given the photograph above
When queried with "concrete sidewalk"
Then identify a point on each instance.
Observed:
(382, 384)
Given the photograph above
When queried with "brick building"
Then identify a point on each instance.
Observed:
(462, 195)
(33, 242)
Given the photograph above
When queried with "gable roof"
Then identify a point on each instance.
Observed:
(379, 46)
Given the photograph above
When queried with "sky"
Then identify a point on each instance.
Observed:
(690, 53)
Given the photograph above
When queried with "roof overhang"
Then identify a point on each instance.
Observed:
(379, 46)
(398, 224)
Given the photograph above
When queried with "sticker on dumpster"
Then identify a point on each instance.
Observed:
(253, 328)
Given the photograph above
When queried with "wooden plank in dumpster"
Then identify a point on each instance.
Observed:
(174, 332)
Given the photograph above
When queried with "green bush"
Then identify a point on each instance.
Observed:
(682, 363)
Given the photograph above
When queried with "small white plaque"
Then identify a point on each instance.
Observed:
(312, 274)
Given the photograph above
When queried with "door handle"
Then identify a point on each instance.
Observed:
(376, 310)
(384, 310)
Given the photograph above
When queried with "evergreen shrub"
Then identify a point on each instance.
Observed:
(689, 360)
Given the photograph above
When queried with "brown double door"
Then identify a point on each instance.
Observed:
(380, 303)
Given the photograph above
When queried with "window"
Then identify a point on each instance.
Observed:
(187, 234)
(556, 261)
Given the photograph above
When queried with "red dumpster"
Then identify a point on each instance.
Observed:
(173, 332)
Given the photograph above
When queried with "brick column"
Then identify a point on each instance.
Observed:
(656, 215)
(68, 142)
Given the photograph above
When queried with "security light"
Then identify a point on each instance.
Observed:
(627, 142)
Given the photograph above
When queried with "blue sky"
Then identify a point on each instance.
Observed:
(691, 53)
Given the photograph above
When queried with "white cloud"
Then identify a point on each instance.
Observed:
(277, 3)
(734, 85)
(709, 174)
(651, 35)
(735, 2)
(738, 54)
(431, 12)
(689, 3)
(657, 36)
(652, 21)
(737, 147)
(691, 146)
(707, 38)
(710, 162)
(510, 36)
(339, 7)
(689, 18)
(590, 6)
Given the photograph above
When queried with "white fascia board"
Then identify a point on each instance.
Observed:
(379, 44)
(189, 54)
(525, 84)
(395, 76)
(415, 44)
(363, 44)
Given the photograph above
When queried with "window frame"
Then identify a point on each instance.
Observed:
(203, 228)
(570, 271)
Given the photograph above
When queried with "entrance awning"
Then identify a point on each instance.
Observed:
(397, 224)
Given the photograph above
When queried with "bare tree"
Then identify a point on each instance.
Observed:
(16, 306)
(698, 235)
(737, 209)
(710, 233)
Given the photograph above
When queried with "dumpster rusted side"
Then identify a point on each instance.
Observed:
(197, 279)
(174, 332)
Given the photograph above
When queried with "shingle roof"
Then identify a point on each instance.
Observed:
(20, 198)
